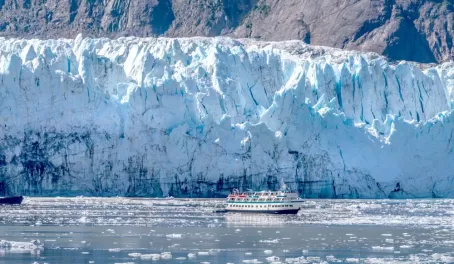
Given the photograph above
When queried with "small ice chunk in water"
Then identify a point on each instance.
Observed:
(203, 253)
(214, 251)
(174, 235)
(174, 245)
(24, 245)
(5, 244)
(269, 241)
(380, 248)
(268, 252)
(406, 246)
(305, 251)
(191, 255)
(248, 253)
(114, 249)
(151, 256)
(166, 255)
(296, 260)
(332, 259)
(180, 258)
(387, 235)
(272, 259)
(135, 255)
(251, 261)
(237, 230)
(389, 240)
(352, 260)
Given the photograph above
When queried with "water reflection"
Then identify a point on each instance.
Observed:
(241, 219)
(122, 230)
(34, 251)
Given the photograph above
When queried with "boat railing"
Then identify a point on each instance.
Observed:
(265, 195)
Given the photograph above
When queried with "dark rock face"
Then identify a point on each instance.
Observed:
(403, 29)
(417, 30)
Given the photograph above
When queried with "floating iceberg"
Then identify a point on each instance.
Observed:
(26, 245)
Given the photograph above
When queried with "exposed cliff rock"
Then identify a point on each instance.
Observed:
(416, 30)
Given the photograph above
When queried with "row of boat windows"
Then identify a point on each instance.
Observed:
(265, 193)
(260, 200)
(259, 206)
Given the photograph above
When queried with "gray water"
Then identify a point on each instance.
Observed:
(121, 230)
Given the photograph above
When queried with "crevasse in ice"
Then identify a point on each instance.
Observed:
(200, 116)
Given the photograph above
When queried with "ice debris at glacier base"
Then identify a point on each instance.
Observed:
(200, 116)
(34, 244)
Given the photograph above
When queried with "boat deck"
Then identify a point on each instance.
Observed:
(278, 202)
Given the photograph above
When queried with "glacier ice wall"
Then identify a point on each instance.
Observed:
(200, 116)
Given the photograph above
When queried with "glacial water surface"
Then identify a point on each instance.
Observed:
(123, 230)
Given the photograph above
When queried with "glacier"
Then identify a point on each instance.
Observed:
(196, 117)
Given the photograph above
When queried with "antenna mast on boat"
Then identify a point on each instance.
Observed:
(283, 185)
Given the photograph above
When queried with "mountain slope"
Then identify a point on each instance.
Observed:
(415, 30)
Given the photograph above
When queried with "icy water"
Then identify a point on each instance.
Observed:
(121, 230)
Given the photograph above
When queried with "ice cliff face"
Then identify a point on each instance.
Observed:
(200, 116)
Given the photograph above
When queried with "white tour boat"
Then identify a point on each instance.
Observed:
(277, 202)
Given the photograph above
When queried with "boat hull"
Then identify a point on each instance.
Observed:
(11, 200)
(287, 211)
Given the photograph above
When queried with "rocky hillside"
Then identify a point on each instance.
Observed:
(417, 30)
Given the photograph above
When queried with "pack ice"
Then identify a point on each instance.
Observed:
(200, 116)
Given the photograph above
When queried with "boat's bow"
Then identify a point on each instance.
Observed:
(12, 200)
